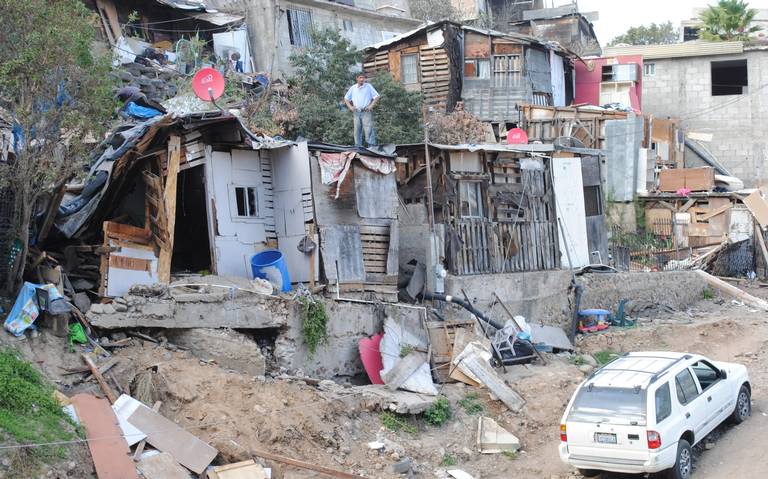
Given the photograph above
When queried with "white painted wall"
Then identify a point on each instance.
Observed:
(569, 200)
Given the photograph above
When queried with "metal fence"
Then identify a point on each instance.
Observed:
(662, 246)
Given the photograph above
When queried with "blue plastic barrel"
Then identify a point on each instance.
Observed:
(270, 265)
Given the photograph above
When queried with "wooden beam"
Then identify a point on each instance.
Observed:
(102, 382)
(715, 212)
(305, 465)
(169, 200)
(687, 205)
(733, 291)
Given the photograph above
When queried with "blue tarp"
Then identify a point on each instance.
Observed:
(26, 310)
(142, 112)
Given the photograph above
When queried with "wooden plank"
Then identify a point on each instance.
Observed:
(488, 377)
(733, 291)
(169, 200)
(102, 382)
(109, 451)
(687, 205)
(161, 466)
(126, 262)
(240, 470)
(305, 465)
(143, 442)
(167, 436)
(758, 207)
(714, 212)
(403, 369)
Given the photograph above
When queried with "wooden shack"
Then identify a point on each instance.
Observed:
(492, 72)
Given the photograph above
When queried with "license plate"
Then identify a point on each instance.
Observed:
(605, 438)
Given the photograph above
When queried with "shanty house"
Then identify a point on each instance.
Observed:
(502, 208)
(187, 195)
(490, 71)
(356, 211)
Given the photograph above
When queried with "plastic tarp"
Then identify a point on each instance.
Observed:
(26, 310)
(396, 337)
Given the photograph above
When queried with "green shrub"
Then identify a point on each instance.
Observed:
(448, 460)
(396, 423)
(439, 412)
(471, 404)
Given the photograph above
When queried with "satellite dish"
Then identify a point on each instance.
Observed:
(517, 136)
(208, 84)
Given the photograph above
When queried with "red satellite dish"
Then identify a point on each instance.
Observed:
(516, 136)
(208, 84)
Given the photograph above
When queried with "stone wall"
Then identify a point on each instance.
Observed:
(682, 88)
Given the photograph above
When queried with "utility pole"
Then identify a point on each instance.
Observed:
(430, 205)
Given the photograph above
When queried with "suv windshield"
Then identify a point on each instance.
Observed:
(609, 405)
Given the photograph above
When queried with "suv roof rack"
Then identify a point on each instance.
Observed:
(655, 375)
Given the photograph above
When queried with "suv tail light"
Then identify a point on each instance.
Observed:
(563, 435)
(654, 440)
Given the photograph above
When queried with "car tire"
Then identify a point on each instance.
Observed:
(589, 472)
(743, 407)
(683, 463)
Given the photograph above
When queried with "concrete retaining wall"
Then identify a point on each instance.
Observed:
(543, 296)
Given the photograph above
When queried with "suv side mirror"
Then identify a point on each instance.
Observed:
(723, 374)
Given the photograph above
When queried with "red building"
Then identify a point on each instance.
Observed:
(600, 81)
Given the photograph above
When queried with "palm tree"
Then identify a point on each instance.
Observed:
(728, 21)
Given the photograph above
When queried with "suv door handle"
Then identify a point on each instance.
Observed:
(687, 415)
(709, 398)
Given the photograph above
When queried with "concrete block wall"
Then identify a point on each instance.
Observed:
(682, 88)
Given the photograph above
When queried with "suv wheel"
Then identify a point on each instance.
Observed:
(683, 464)
(589, 472)
(743, 406)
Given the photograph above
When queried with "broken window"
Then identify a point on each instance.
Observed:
(729, 77)
(649, 69)
(471, 199)
(409, 66)
(477, 68)
(299, 27)
(246, 201)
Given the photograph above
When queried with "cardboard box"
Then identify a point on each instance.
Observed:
(695, 179)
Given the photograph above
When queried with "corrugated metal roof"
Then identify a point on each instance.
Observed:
(677, 50)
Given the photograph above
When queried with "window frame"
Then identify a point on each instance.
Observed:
(477, 187)
(657, 417)
(415, 56)
(718, 374)
(347, 22)
(476, 62)
(254, 202)
(649, 69)
(299, 39)
(679, 388)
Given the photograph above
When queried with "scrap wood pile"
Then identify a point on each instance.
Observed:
(697, 231)
(413, 355)
(129, 439)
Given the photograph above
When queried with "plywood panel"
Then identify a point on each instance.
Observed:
(476, 45)
(110, 452)
(569, 199)
(166, 436)
(375, 194)
(341, 245)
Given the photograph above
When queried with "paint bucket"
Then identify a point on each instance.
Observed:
(270, 265)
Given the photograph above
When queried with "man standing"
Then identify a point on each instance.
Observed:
(361, 98)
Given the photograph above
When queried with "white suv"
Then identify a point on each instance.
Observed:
(642, 412)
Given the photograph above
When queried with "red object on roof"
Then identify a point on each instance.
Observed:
(516, 136)
(208, 84)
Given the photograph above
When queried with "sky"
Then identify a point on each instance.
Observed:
(616, 16)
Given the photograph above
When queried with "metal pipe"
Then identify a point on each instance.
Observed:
(464, 304)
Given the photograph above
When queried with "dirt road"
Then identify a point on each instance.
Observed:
(725, 332)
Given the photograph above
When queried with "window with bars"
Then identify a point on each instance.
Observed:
(299, 27)
(409, 65)
(506, 64)
(470, 196)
